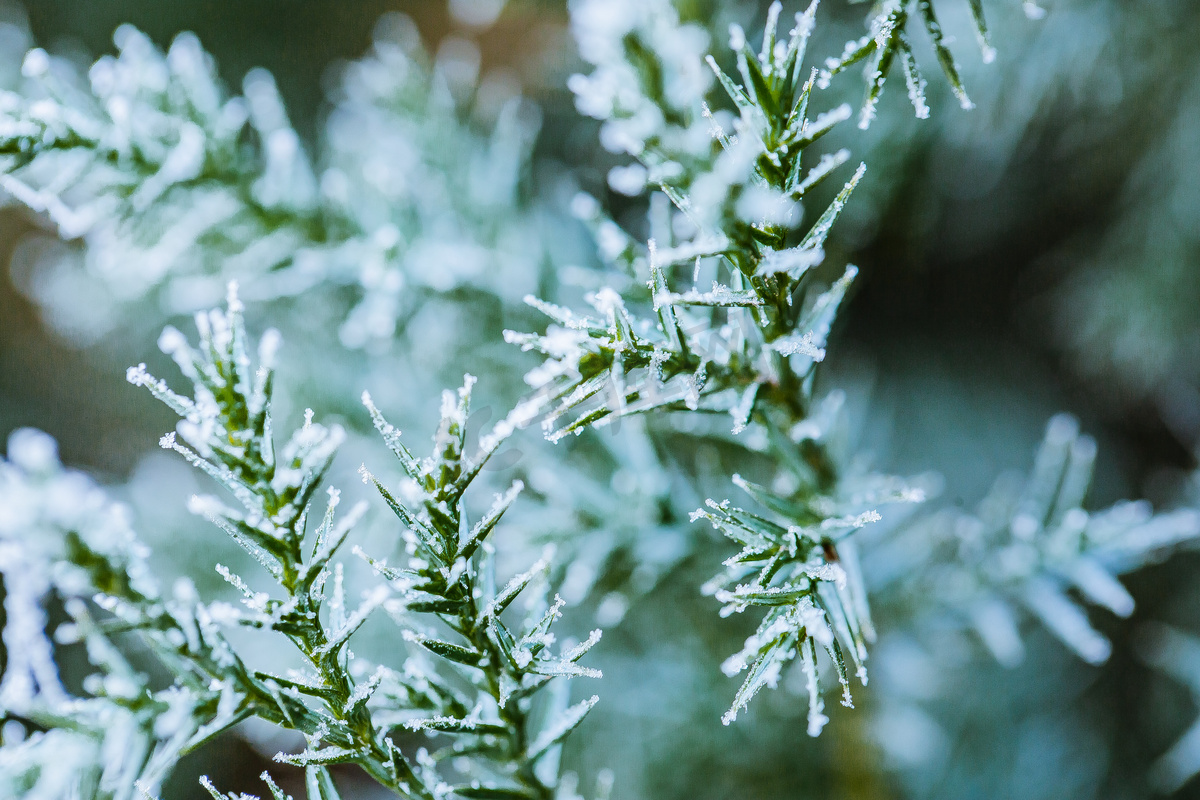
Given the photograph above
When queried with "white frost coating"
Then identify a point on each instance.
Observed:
(828, 163)
(1024, 527)
(742, 409)
(1033, 10)
(563, 316)
(363, 690)
(1061, 429)
(32, 450)
(441, 723)
(805, 21)
(607, 301)
(193, 234)
(611, 91)
(737, 37)
(802, 344)
(268, 347)
(522, 415)
(740, 661)
(477, 13)
(813, 619)
(694, 386)
(703, 245)
(916, 83)
(767, 206)
(851, 521)
(816, 706)
(628, 180)
(40, 503)
(719, 295)
(867, 115)
(171, 342)
(30, 674)
(183, 163)
(795, 261)
(827, 119)
(769, 29)
(36, 63)
(566, 722)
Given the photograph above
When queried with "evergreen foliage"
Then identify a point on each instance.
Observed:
(347, 709)
(698, 369)
(177, 186)
(752, 347)
(1026, 546)
(749, 346)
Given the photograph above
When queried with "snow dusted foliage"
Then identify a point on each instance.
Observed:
(707, 339)
(655, 96)
(799, 562)
(176, 186)
(143, 158)
(1028, 553)
(63, 542)
(429, 159)
(346, 707)
(41, 506)
(649, 87)
(631, 503)
(747, 346)
(1026, 550)
(747, 340)
(61, 538)
(451, 574)
(739, 211)
(647, 83)
(887, 39)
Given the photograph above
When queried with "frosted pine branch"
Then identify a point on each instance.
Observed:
(1029, 549)
(452, 576)
(738, 197)
(226, 433)
(177, 185)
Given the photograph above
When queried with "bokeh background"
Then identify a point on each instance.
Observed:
(1040, 253)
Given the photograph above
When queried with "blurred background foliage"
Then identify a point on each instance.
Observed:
(1039, 253)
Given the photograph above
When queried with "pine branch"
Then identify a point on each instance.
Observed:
(177, 186)
(888, 37)
(226, 432)
(452, 577)
(1028, 549)
(752, 347)
(68, 541)
(156, 136)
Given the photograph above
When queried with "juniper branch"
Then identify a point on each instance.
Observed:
(452, 577)
(226, 432)
(176, 184)
(754, 349)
